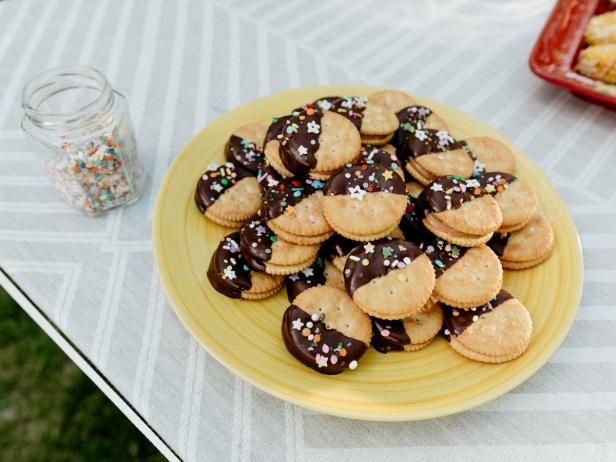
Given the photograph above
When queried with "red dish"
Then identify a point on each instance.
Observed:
(555, 52)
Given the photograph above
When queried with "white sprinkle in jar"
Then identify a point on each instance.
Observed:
(82, 133)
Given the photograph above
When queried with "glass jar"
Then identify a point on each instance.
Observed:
(82, 133)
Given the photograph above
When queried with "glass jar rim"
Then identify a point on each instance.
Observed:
(53, 75)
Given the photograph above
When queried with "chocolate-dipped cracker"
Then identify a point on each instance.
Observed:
(515, 197)
(317, 143)
(325, 330)
(377, 155)
(489, 155)
(375, 122)
(465, 277)
(389, 278)
(410, 334)
(364, 202)
(496, 332)
(412, 118)
(526, 247)
(294, 210)
(459, 210)
(430, 154)
(227, 195)
(264, 251)
(230, 275)
(245, 148)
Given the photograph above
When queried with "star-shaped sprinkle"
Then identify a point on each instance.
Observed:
(231, 246)
(444, 137)
(308, 272)
(302, 150)
(229, 273)
(388, 252)
(294, 277)
(298, 324)
(346, 102)
(261, 230)
(324, 104)
(321, 360)
(472, 183)
(313, 127)
(421, 135)
(478, 167)
(436, 187)
(361, 101)
(388, 174)
(357, 193)
(369, 247)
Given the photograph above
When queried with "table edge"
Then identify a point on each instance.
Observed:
(85, 365)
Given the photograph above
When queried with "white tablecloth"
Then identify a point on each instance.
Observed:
(181, 64)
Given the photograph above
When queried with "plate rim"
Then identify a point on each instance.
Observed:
(184, 317)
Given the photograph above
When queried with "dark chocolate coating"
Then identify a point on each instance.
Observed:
(330, 344)
(337, 246)
(256, 239)
(288, 192)
(411, 223)
(457, 320)
(268, 178)
(305, 279)
(442, 254)
(410, 118)
(495, 182)
(396, 336)
(228, 272)
(387, 255)
(498, 243)
(215, 181)
(300, 133)
(448, 192)
(369, 178)
(424, 141)
(254, 263)
(244, 154)
(351, 107)
(274, 131)
(300, 141)
(375, 155)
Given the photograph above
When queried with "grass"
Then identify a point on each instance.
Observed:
(49, 410)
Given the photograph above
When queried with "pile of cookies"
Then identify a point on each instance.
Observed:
(386, 229)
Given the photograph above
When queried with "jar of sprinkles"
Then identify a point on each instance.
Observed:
(82, 133)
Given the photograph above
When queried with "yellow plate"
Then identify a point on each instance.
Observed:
(245, 336)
